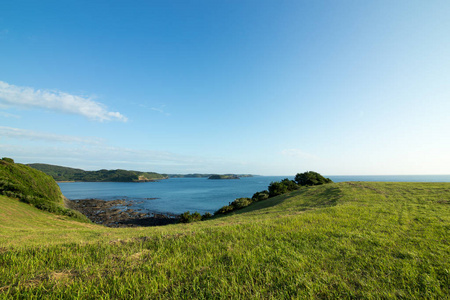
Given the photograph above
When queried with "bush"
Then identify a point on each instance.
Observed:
(240, 203)
(206, 216)
(276, 189)
(259, 196)
(311, 178)
(187, 217)
(290, 184)
(223, 210)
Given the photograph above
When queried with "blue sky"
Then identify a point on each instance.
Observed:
(262, 87)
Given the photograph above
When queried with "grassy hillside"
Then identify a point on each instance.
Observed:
(340, 240)
(70, 174)
(33, 187)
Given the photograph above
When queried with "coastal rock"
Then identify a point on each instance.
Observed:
(108, 214)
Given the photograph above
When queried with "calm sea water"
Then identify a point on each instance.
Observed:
(177, 195)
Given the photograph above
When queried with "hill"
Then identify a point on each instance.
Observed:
(33, 187)
(196, 175)
(60, 173)
(339, 240)
(226, 176)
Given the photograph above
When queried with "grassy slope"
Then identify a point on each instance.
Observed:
(366, 240)
(26, 181)
(34, 187)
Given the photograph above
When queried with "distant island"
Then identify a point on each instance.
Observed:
(60, 173)
(226, 176)
(196, 175)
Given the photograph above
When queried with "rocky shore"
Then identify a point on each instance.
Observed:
(117, 213)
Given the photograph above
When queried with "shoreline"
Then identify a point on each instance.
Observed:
(135, 181)
(116, 213)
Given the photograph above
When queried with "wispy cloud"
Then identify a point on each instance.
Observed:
(94, 153)
(160, 110)
(10, 132)
(56, 101)
(94, 157)
(8, 115)
(103, 156)
(297, 153)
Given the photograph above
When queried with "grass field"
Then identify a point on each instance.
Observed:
(341, 240)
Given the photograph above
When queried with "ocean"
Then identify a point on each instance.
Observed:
(177, 195)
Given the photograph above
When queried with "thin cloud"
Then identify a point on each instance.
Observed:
(8, 115)
(160, 110)
(10, 132)
(56, 101)
(94, 157)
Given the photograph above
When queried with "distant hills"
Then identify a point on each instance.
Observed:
(196, 175)
(60, 173)
(226, 176)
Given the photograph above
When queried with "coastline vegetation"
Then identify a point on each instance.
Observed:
(365, 240)
(60, 173)
(33, 187)
(284, 186)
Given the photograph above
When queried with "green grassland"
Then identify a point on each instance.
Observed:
(340, 240)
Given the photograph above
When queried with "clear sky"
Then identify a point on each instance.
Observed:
(233, 86)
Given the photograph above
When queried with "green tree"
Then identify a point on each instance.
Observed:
(290, 184)
(277, 188)
(311, 178)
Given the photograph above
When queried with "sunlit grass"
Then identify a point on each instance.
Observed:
(345, 240)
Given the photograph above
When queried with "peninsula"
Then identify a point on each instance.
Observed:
(226, 176)
(60, 173)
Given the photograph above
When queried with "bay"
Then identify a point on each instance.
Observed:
(174, 195)
(177, 195)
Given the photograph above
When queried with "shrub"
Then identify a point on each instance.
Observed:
(223, 210)
(311, 178)
(290, 184)
(258, 196)
(196, 217)
(206, 216)
(240, 203)
(277, 188)
(187, 217)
